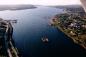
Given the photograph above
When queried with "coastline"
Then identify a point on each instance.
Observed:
(74, 38)
(16, 7)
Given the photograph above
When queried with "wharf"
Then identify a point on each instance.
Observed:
(7, 44)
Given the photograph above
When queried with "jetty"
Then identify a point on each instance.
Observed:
(7, 44)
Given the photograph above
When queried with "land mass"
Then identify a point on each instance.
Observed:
(73, 24)
(66, 6)
(16, 7)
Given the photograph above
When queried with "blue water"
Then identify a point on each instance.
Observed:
(32, 25)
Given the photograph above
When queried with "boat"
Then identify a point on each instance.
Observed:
(45, 39)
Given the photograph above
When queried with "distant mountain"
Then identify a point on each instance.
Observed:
(16, 7)
(67, 6)
(70, 8)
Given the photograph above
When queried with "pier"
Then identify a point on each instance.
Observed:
(7, 44)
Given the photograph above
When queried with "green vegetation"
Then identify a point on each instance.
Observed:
(72, 25)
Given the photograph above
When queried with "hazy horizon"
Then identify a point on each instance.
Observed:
(40, 2)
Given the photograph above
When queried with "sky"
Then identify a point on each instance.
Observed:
(40, 2)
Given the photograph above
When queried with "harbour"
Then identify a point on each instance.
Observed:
(32, 26)
(6, 40)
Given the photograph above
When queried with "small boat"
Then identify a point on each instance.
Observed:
(45, 39)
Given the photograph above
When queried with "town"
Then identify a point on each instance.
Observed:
(73, 24)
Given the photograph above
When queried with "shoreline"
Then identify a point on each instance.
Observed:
(16, 7)
(74, 38)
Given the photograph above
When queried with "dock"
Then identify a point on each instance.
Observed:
(7, 44)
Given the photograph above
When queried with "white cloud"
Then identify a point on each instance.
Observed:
(41, 2)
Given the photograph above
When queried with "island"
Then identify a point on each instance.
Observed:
(16, 7)
(73, 24)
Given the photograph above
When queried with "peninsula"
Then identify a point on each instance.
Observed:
(16, 7)
(73, 24)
